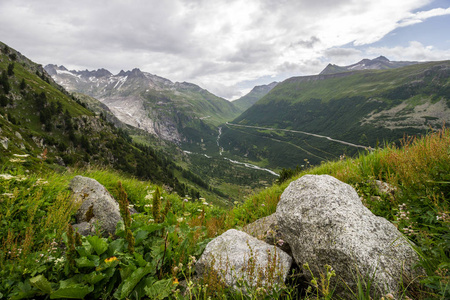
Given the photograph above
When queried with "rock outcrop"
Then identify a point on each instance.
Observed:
(238, 257)
(325, 222)
(98, 207)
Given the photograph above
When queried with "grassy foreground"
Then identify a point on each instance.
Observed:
(41, 257)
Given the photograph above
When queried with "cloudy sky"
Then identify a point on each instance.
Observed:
(224, 46)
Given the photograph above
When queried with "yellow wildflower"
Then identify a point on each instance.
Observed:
(111, 259)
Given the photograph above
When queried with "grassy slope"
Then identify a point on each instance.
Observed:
(335, 105)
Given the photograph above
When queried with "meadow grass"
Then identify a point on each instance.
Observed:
(37, 207)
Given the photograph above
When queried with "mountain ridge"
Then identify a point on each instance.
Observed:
(378, 63)
(254, 95)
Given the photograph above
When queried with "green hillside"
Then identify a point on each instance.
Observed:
(361, 107)
(43, 127)
(253, 96)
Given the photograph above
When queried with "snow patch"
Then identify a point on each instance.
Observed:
(121, 81)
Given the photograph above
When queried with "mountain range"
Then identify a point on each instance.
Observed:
(301, 121)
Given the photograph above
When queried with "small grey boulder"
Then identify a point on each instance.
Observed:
(237, 257)
(98, 207)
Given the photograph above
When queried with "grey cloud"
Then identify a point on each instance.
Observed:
(341, 52)
(307, 43)
(252, 52)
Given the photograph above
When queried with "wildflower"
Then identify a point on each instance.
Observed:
(389, 296)
(280, 242)
(110, 259)
(131, 206)
(263, 205)
(151, 220)
(186, 200)
(179, 220)
(6, 176)
(175, 281)
(41, 181)
(205, 203)
(9, 195)
(17, 160)
(148, 205)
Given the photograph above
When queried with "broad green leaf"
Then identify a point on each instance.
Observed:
(126, 271)
(84, 262)
(23, 291)
(128, 285)
(160, 289)
(116, 246)
(94, 277)
(85, 249)
(139, 259)
(152, 227)
(99, 244)
(140, 236)
(41, 283)
(74, 291)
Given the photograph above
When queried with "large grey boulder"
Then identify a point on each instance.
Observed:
(98, 207)
(325, 222)
(238, 257)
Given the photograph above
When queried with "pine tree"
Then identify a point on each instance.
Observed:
(5, 83)
(22, 85)
(11, 69)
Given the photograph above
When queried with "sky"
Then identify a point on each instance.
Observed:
(224, 46)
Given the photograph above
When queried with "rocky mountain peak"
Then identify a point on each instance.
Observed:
(101, 73)
(382, 58)
(135, 73)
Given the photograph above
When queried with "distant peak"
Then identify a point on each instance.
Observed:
(102, 73)
(122, 73)
(382, 58)
(136, 72)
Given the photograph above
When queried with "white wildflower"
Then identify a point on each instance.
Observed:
(17, 160)
(6, 176)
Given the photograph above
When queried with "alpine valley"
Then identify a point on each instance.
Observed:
(301, 121)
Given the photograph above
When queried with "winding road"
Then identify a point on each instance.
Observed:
(306, 133)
